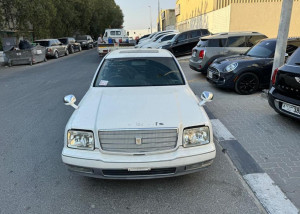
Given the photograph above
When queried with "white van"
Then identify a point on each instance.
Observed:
(117, 35)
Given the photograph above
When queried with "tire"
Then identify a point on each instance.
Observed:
(67, 52)
(72, 50)
(56, 55)
(247, 83)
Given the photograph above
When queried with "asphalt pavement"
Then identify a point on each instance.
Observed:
(33, 178)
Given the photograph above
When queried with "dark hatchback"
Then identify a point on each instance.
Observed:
(71, 43)
(183, 43)
(284, 95)
(246, 73)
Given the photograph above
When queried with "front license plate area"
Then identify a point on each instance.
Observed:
(138, 169)
(210, 74)
(291, 108)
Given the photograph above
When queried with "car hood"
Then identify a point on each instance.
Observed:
(136, 108)
(236, 58)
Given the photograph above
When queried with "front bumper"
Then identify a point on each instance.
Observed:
(276, 99)
(220, 79)
(108, 166)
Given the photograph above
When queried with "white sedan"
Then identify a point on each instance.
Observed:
(139, 119)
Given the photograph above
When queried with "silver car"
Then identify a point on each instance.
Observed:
(54, 48)
(212, 47)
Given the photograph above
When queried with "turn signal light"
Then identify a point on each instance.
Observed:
(201, 54)
(274, 76)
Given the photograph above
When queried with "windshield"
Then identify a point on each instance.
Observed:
(81, 38)
(264, 49)
(64, 41)
(43, 43)
(135, 72)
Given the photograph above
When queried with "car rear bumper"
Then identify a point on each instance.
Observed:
(276, 99)
(141, 168)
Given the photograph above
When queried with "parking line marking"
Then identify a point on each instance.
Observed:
(220, 131)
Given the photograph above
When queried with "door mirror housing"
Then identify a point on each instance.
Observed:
(206, 96)
(70, 100)
(286, 55)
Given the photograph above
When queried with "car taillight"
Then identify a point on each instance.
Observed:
(201, 54)
(274, 76)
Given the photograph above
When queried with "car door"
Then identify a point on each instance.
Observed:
(179, 44)
(60, 47)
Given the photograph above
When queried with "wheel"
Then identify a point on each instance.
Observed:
(67, 52)
(56, 55)
(72, 50)
(247, 83)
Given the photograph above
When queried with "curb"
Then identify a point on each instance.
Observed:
(264, 188)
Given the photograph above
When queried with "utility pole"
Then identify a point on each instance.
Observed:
(150, 18)
(158, 17)
(283, 32)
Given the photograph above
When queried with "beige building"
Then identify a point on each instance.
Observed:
(166, 20)
(235, 15)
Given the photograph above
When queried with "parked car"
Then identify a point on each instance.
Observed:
(143, 37)
(212, 47)
(71, 43)
(246, 73)
(153, 40)
(163, 40)
(85, 41)
(139, 119)
(152, 36)
(183, 43)
(54, 48)
(284, 95)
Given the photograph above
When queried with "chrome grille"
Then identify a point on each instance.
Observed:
(215, 72)
(128, 141)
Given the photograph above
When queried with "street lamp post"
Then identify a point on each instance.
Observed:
(150, 18)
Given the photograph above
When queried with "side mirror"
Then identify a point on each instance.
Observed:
(286, 55)
(206, 96)
(70, 100)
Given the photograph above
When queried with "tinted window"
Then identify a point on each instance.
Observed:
(112, 33)
(196, 33)
(182, 37)
(295, 58)
(236, 41)
(253, 40)
(216, 43)
(138, 72)
(157, 37)
(202, 43)
(291, 48)
(43, 43)
(64, 41)
(166, 38)
(264, 49)
(118, 33)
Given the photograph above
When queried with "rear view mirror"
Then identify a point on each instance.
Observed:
(206, 96)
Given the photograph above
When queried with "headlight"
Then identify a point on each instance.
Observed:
(231, 67)
(81, 140)
(195, 136)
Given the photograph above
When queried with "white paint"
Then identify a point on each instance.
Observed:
(220, 131)
(269, 194)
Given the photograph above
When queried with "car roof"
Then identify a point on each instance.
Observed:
(229, 34)
(44, 40)
(136, 53)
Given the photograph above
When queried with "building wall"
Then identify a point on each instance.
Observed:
(215, 21)
(263, 17)
(193, 8)
(167, 19)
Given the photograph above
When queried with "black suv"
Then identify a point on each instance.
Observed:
(183, 43)
(85, 41)
(284, 95)
(71, 43)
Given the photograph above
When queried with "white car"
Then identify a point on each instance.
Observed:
(153, 36)
(160, 41)
(139, 119)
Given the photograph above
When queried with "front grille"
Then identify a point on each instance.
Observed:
(138, 141)
(162, 171)
(215, 72)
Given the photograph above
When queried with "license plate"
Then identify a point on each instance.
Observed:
(291, 108)
(138, 169)
(194, 53)
(210, 74)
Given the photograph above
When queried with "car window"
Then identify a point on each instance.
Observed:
(118, 33)
(112, 33)
(295, 58)
(264, 49)
(253, 40)
(216, 43)
(133, 72)
(64, 41)
(166, 38)
(182, 37)
(43, 43)
(236, 41)
(194, 34)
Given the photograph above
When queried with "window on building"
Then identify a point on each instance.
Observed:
(236, 41)
(216, 43)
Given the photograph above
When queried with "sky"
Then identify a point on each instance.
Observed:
(137, 13)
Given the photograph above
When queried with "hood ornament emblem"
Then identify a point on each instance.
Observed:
(297, 79)
(138, 141)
